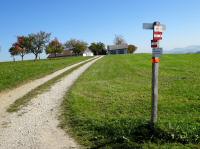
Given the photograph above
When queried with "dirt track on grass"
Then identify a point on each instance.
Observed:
(8, 97)
(35, 126)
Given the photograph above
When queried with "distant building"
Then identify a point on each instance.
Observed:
(65, 53)
(118, 49)
(88, 52)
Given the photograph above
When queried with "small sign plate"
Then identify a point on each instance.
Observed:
(157, 52)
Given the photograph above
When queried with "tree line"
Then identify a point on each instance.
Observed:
(33, 43)
(39, 42)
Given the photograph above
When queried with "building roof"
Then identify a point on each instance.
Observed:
(117, 47)
(87, 50)
(65, 53)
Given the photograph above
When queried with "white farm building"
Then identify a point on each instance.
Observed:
(88, 52)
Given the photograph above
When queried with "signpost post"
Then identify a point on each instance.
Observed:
(156, 53)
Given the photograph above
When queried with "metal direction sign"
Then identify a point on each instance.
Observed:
(152, 26)
(157, 52)
(148, 25)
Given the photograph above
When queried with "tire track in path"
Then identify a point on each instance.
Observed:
(8, 97)
(36, 125)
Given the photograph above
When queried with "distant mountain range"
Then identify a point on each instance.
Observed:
(185, 50)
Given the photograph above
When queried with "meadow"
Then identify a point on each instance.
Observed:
(110, 104)
(13, 74)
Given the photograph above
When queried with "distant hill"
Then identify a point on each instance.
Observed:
(185, 50)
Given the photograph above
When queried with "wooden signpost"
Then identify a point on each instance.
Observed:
(156, 53)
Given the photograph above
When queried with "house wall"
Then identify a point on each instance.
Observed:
(118, 51)
(88, 54)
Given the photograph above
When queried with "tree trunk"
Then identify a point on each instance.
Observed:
(13, 59)
(36, 56)
(22, 57)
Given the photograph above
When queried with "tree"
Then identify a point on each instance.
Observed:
(71, 43)
(132, 48)
(54, 47)
(21, 46)
(77, 46)
(98, 48)
(13, 52)
(38, 42)
(119, 40)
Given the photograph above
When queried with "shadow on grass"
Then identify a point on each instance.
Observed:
(138, 136)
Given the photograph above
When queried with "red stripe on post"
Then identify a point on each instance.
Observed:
(157, 38)
(158, 33)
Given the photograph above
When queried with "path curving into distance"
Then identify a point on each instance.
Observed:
(36, 125)
(8, 97)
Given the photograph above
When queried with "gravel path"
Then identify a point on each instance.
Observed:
(35, 126)
(8, 97)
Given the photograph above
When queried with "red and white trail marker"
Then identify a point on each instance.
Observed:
(158, 28)
(154, 44)
(157, 35)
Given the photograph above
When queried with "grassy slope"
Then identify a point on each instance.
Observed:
(13, 74)
(110, 104)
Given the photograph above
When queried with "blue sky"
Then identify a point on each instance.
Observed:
(100, 20)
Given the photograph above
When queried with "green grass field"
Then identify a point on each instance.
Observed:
(16, 73)
(109, 106)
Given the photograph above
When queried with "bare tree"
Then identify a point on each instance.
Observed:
(119, 40)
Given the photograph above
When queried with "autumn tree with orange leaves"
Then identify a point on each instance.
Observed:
(54, 47)
(21, 47)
